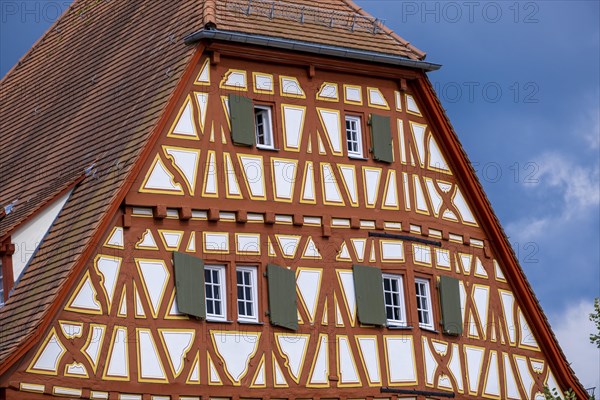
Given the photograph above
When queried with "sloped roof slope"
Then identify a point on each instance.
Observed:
(87, 95)
(83, 102)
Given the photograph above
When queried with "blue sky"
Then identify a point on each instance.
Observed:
(520, 83)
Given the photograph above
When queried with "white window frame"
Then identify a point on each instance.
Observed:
(253, 291)
(426, 284)
(223, 293)
(400, 299)
(359, 140)
(267, 113)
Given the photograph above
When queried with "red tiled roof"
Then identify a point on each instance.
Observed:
(90, 93)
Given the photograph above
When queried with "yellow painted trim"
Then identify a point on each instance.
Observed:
(168, 314)
(387, 187)
(247, 252)
(246, 334)
(146, 291)
(462, 220)
(122, 299)
(274, 178)
(342, 166)
(309, 240)
(109, 355)
(383, 260)
(137, 245)
(283, 128)
(398, 100)
(351, 315)
(337, 351)
(287, 361)
(69, 335)
(362, 359)
(304, 175)
(195, 365)
(468, 386)
(90, 338)
(428, 154)
(330, 99)
(381, 107)
(262, 171)
(338, 256)
(377, 185)
(223, 84)
(212, 169)
(265, 75)
(86, 376)
(313, 314)
(326, 132)
(188, 100)
(412, 132)
(424, 247)
(487, 370)
(285, 94)
(68, 307)
(278, 236)
(227, 163)
(519, 342)
(109, 301)
(276, 365)
(325, 316)
(139, 358)
(408, 111)
(207, 251)
(112, 232)
(312, 368)
(346, 101)
(387, 361)
(211, 364)
(190, 185)
(417, 209)
(342, 203)
(338, 311)
(157, 160)
(261, 364)
(31, 387)
(184, 353)
(207, 66)
(41, 349)
(225, 104)
(164, 242)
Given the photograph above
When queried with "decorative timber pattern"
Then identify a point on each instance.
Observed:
(309, 208)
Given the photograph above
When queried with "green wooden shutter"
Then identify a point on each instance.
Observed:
(283, 310)
(381, 138)
(189, 284)
(368, 287)
(450, 305)
(241, 112)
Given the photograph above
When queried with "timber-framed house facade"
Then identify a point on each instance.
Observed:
(250, 199)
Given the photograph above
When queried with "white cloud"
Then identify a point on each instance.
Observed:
(578, 189)
(572, 327)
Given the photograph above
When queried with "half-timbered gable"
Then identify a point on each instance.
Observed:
(301, 223)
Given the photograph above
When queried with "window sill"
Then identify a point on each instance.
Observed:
(242, 322)
(267, 148)
(400, 327)
(426, 328)
(218, 321)
(357, 158)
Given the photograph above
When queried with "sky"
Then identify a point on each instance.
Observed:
(521, 84)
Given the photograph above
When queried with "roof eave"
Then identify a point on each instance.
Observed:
(309, 47)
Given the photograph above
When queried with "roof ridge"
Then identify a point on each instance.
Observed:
(209, 13)
(387, 30)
